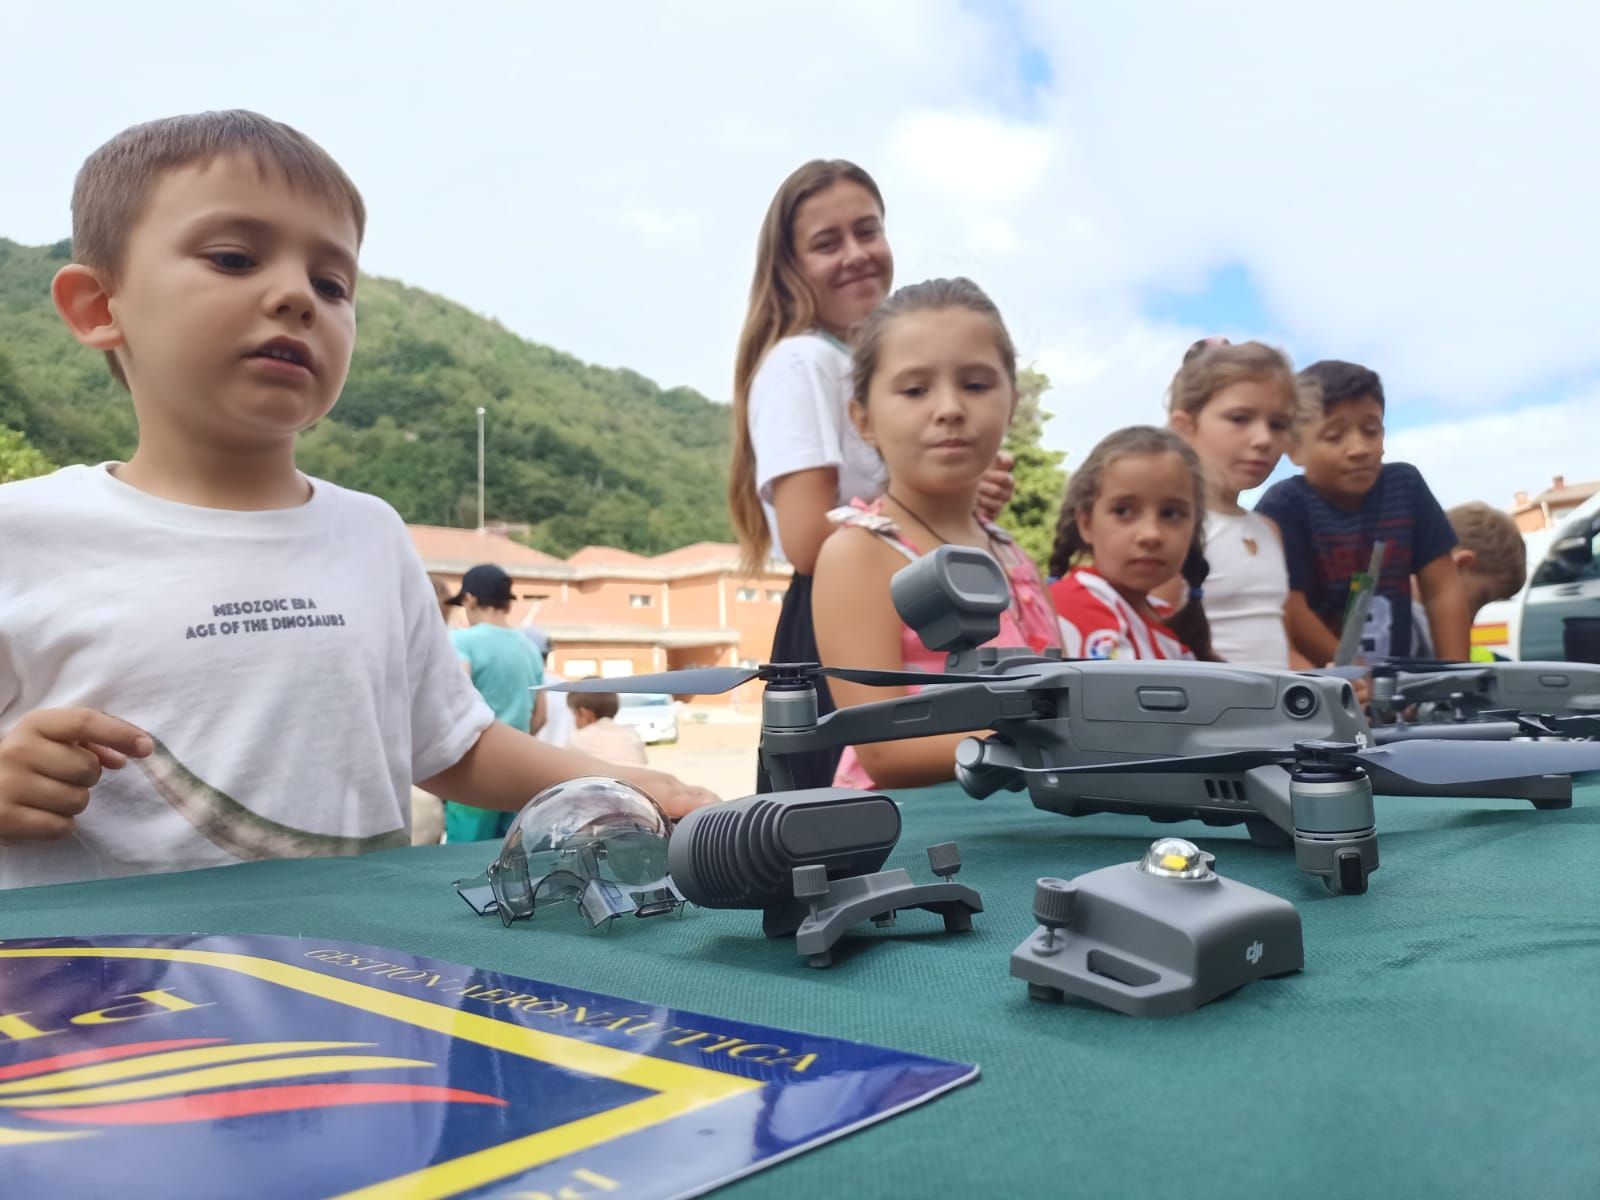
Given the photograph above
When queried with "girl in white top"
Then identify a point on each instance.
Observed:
(822, 264)
(1236, 404)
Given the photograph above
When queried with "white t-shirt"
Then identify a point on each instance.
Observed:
(291, 666)
(799, 420)
(558, 722)
(1247, 589)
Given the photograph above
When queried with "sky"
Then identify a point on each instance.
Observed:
(1408, 186)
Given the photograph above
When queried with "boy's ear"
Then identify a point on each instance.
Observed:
(1464, 559)
(84, 301)
(1294, 454)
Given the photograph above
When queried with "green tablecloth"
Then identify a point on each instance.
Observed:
(1440, 1041)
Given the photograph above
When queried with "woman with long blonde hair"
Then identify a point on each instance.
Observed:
(823, 263)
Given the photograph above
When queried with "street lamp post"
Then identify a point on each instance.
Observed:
(480, 468)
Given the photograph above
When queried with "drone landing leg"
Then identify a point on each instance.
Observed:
(1265, 833)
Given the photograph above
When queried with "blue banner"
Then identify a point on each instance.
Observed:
(245, 1066)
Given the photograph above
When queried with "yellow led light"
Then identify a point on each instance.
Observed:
(1175, 858)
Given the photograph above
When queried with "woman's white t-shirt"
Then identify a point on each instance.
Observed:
(799, 421)
(1246, 590)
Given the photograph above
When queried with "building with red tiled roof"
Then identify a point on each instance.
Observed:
(446, 549)
(593, 556)
(608, 611)
(1545, 511)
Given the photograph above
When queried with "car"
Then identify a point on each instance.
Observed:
(1565, 584)
(652, 715)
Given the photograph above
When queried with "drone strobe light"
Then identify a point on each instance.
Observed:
(1174, 858)
(1156, 937)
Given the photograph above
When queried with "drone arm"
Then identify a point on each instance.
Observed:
(956, 709)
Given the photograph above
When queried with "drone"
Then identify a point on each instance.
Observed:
(1476, 701)
(1290, 756)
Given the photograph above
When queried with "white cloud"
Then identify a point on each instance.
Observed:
(1406, 190)
(1492, 456)
(656, 225)
(966, 160)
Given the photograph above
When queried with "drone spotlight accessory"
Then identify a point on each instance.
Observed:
(810, 861)
(1157, 937)
(598, 843)
(952, 597)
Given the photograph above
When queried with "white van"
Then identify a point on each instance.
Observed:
(1565, 583)
(652, 715)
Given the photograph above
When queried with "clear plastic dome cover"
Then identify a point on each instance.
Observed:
(597, 842)
(1175, 858)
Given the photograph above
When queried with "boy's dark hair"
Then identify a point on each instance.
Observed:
(1340, 382)
(115, 182)
(601, 704)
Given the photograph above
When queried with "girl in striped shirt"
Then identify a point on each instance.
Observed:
(1132, 520)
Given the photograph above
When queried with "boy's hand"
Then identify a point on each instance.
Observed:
(996, 486)
(48, 763)
(676, 798)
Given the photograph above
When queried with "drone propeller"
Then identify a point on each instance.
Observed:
(710, 681)
(1578, 726)
(1431, 762)
(1408, 666)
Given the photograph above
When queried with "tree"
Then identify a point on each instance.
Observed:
(18, 459)
(1041, 482)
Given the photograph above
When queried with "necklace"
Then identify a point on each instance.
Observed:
(910, 512)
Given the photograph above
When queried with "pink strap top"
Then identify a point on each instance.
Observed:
(1030, 621)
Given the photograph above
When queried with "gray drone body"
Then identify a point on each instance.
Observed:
(1050, 723)
(1157, 937)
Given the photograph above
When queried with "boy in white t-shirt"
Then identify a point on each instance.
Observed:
(206, 656)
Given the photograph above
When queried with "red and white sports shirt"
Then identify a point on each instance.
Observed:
(1096, 622)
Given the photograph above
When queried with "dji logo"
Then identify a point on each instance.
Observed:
(1253, 953)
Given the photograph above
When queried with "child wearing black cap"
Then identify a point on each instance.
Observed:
(505, 668)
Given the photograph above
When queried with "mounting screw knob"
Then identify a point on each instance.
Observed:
(810, 883)
(945, 859)
(1052, 902)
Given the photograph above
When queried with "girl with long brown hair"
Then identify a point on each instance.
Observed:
(822, 264)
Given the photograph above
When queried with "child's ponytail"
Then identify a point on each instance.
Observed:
(1190, 622)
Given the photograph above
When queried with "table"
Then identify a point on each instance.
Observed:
(1440, 1041)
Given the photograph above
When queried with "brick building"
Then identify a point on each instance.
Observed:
(612, 612)
(1545, 511)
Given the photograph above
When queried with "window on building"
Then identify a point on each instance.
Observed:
(774, 595)
(640, 600)
(748, 664)
(612, 668)
(747, 593)
(580, 668)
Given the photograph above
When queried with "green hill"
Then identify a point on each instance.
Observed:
(581, 453)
